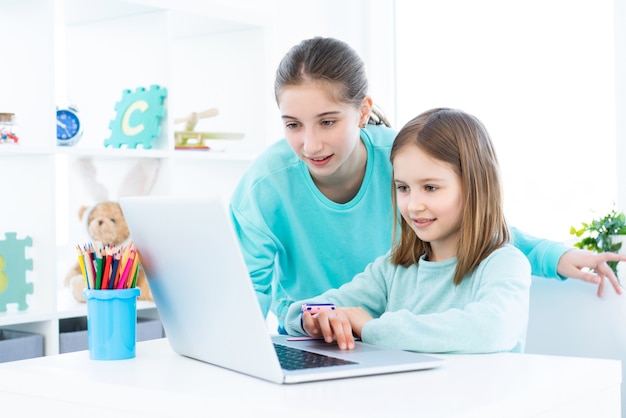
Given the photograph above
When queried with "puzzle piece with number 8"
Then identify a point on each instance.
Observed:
(13, 267)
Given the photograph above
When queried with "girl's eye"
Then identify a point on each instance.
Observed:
(328, 122)
(292, 125)
(401, 188)
(430, 188)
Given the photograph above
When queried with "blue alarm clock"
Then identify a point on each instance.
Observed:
(69, 126)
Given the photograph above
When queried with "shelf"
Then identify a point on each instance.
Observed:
(192, 55)
(13, 317)
(81, 12)
(212, 155)
(68, 307)
(104, 153)
(190, 17)
(122, 153)
(112, 153)
(11, 150)
(207, 53)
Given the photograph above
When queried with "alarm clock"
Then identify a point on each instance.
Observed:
(69, 126)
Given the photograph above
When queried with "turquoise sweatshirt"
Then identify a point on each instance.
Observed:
(419, 308)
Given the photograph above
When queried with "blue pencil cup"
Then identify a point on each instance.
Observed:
(111, 323)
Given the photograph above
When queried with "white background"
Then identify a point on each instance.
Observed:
(541, 77)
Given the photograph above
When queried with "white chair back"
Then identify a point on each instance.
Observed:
(568, 319)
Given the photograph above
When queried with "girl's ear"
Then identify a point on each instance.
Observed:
(366, 110)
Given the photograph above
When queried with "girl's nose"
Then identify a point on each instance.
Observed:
(311, 143)
(416, 204)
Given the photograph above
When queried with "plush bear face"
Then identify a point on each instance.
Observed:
(106, 223)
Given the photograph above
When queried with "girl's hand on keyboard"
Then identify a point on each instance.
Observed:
(336, 325)
(332, 325)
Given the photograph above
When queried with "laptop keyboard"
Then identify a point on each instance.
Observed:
(295, 359)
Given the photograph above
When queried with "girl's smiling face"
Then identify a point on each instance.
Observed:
(322, 131)
(430, 198)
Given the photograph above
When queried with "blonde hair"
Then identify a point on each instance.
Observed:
(462, 141)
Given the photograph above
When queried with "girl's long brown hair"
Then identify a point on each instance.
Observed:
(462, 141)
(330, 61)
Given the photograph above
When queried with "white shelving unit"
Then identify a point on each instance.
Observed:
(207, 53)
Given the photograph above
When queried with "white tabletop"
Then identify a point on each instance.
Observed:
(159, 382)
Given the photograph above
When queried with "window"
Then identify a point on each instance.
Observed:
(541, 76)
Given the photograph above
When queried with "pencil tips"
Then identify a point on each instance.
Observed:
(105, 266)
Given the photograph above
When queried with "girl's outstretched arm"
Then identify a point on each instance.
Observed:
(590, 267)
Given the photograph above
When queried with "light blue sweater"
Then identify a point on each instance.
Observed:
(297, 243)
(420, 309)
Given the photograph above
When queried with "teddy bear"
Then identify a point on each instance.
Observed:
(105, 223)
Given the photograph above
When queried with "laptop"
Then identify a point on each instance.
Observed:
(208, 306)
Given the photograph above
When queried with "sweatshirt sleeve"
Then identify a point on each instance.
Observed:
(542, 254)
(367, 290)
(259, 252)
(494, 319)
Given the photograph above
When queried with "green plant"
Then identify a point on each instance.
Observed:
(596, 236)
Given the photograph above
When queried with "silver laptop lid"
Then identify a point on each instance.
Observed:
(195, 268)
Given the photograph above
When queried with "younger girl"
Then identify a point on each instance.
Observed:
(451, 283)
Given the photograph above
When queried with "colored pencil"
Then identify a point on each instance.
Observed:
(81, 263)
(127, 268)
(114, 269)
(107, 269)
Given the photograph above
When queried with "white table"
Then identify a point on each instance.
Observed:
(159, 382)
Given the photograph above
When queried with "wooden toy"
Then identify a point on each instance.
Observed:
(189, 139)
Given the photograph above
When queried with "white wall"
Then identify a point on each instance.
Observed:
(540, 75)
